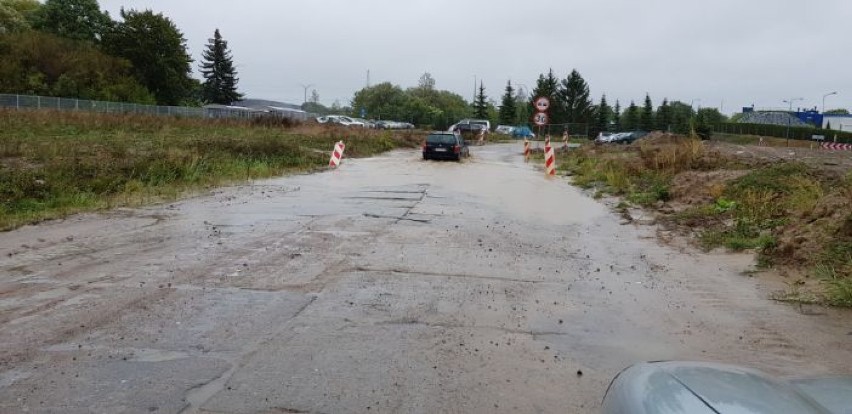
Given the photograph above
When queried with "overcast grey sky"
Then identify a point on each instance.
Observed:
(736, 52)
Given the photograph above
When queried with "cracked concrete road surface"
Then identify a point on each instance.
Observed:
(389, 285)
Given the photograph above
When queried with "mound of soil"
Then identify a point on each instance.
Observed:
(702, 187)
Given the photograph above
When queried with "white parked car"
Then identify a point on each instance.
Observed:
(341, 120)
(504, 129)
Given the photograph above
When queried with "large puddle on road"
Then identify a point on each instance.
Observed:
(495, 176)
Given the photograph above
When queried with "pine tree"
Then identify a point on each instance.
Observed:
(602, 116)
(508, 111)
(480, 106)
(522, 108)
(664, 116)
(630, 119)
(547, 86)
(574, 99)
(220, 77)
(646, 118)
(616, 116)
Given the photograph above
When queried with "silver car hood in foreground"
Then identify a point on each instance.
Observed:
(707, 388)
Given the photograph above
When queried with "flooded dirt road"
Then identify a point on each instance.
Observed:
(389, 285)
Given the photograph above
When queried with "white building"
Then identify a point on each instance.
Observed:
(838, 122)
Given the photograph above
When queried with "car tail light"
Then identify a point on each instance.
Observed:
(424, 145)
(456, 149)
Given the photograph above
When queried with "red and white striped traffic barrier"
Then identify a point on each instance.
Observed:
(526, 149)
(549, 160)
(547, 140)
(337, 154)
(836, 147)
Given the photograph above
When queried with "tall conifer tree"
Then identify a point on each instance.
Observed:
(220, 77)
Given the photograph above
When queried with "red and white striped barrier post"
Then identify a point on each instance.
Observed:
(549, 159)
(546, 141)
(526, 149)
(833, 146)
(337, 154)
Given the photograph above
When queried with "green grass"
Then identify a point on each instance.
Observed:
(55, 164)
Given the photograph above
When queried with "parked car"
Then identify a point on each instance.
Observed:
(504, 129)
(675, 387)
(619, 137)
(470, 125)
(445, 145)
(386, 124)
(603, 137)
(522, 132)
(366, 123)
(341, 120)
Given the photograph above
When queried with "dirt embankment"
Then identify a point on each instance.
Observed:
(787, 204)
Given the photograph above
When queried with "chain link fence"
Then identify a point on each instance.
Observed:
(210, 111)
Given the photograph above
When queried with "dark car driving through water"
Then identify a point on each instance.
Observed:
(446, 146)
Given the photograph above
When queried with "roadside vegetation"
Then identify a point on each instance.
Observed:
(793, 216)
(53, 164)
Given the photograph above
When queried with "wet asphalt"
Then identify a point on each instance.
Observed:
(389, 285)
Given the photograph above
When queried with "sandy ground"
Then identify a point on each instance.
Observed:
(809, 153)
(389, 285)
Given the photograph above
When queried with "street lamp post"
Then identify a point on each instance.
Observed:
(306, 92)
(790, 115)
(823, 100)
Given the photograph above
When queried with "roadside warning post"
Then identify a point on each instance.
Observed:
(549, 159)
(526, 149)
(337, 154)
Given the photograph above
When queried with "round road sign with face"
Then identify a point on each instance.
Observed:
(542, 104)
(540, 119)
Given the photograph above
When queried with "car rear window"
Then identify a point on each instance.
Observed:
(441, 139)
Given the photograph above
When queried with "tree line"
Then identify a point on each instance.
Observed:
(571, 108)
(70, 48)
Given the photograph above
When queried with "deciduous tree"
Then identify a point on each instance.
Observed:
(39, 63)
(17, 15)
(74, 19)
(158, 52)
